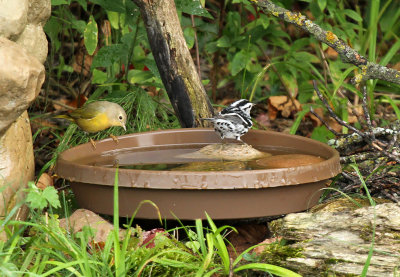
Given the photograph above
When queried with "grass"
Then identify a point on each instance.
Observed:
(40, 247)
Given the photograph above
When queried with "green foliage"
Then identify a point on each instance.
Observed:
(39, 199)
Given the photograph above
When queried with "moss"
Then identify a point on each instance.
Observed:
(331, 37)
(277, 253)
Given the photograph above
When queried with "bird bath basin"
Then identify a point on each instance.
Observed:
(236, 194)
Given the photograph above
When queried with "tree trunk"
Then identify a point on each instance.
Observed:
(175, 64)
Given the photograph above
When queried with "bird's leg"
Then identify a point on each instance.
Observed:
(115, 139)
(93, 143)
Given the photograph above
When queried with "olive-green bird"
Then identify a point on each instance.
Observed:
(97, 116)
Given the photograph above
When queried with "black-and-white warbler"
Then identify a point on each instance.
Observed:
(234, 121)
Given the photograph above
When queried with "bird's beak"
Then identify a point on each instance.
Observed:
(123, 126)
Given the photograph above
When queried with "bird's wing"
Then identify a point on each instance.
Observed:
(237, 118)
(86, 112)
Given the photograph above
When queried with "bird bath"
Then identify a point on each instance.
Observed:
(236, 194)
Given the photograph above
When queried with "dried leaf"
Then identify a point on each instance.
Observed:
(284, 105)
(45, 181)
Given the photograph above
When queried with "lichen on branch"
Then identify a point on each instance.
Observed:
(369, 70)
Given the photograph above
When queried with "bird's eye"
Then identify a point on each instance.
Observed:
(120, 117)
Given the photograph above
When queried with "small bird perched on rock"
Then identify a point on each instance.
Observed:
(234, 121)
(97, 116)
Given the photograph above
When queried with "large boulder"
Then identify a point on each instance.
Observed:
(23, 49)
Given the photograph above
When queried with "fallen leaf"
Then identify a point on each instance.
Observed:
(282, 104)
(331, 54)
(148, 237)
(316, 122)
(45, 180)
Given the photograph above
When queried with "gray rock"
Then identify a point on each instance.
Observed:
(21, 77)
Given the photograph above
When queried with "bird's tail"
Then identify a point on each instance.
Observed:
(64, 116)
(207, 119)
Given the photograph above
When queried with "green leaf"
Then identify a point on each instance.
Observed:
(59, 2)
(90, 35)
(193, 7)
(51, 195)
(322, 4)
(113, 17)
(305, 57)
(107, 55)
(353, 15)
(36, 201)
(189, 34)
(322, 134)
(272, 269)
(239, 61)
(111, 5)
(224, 41)
(99, 77)
(83, 4)
(138, 76)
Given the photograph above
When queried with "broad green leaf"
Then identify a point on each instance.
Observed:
(239, 61)
(305, 57)
(83, 4)
(224, 41)
(50, 194)
(189, 34)
(90, 36)
(113, 17)
(36, 200)
(79, 25)
(111, 5)
(193, 7)
(99, 77)
(107, 55)
(322, 134)
(138, 76)
(353, 15)
(322, 4)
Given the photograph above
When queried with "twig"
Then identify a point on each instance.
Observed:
(366, 110)
(333, 115)
(369, 70)
(324, 122)
(196, 43)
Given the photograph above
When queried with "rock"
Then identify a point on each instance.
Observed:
(34, 41)
(228, 151)
(13, 17)
(16, 165)
(21, 77)
(82, 217)
(39, 11)
(338, 242)
(212, 166)
(288, 160)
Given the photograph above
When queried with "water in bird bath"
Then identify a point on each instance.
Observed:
(196, 157)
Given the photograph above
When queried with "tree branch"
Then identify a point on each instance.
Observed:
(369, 70)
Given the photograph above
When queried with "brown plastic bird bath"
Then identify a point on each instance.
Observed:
(189, 194)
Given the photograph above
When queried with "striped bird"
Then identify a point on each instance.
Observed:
(234, 121)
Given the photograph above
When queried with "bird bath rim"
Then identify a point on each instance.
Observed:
(68, 168)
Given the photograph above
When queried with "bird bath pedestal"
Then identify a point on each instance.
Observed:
(189, 194)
